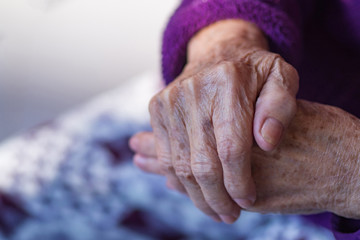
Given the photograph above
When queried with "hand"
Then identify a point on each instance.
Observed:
(205, 120)
(314, 169)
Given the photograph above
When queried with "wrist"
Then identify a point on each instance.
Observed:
(350, 189)
(344, 143)
(354, 199)
(326, 138)
(222, 39)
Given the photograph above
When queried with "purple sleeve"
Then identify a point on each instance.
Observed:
(280, 20)
(342, 228)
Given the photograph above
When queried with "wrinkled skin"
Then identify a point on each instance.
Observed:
(315, 168)
(205, 121)
(232, 91)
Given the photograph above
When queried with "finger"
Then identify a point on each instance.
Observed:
(181, 156)
(148, 164)
(276, 105)
(205, 163)
(143, 143)
(208, 172)
(233, 133)
(162, 142)
(151, 165)
(170, 186)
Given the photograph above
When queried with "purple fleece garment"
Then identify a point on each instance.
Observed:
(320, 38)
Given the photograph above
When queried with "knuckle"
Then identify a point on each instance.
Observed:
(188, 83)
(174, 100)
(229, 150)
(206, 174)
(222, 207)
(165, 94)
(239, 189)
(292, 76)
(155, 105)
(183, 171)
(226, 67)
(291, 70)
(185, 175)
(272, 60)
(166, 167)
(287, 76)
(168, 103)
(193, 88)
(276, 57)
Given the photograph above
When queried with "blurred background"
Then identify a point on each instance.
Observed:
(56, 54)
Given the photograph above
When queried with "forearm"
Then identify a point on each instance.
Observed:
(336, 141)
(279, 23)
(344, 147)
(218, 40)
(316, 166)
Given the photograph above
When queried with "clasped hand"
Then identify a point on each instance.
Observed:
(232, 91)
(204, 123)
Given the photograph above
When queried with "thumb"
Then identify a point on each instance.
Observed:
(276, 105)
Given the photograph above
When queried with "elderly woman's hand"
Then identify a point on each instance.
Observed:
(231, 90)
(314, 169)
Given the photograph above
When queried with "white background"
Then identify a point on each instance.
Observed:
(56, 54)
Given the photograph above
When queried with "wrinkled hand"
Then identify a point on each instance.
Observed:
(314, 169)
(204, 122)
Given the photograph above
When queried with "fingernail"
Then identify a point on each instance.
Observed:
(133, 143)
(228, 219)
(244, 203)
(272, 130)
(216, 218)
